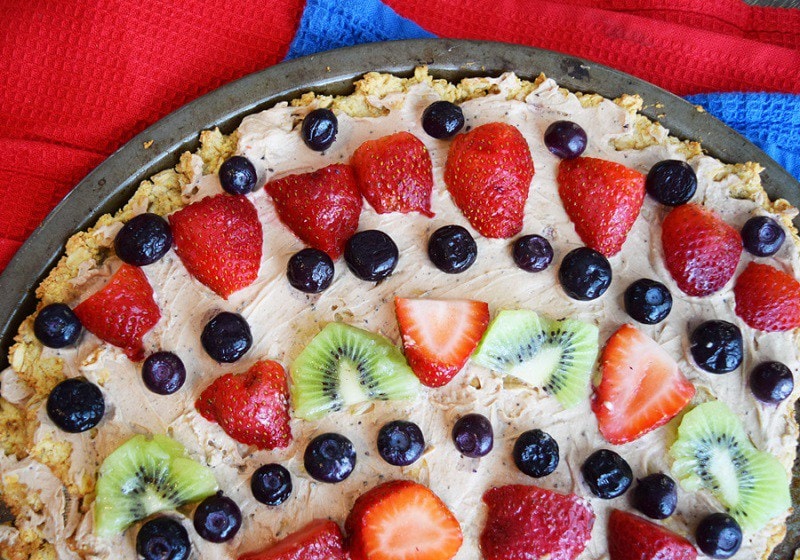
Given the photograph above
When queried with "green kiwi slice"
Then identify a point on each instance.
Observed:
(344, 365)
(144, 476)
(556, 355)
(713, 452)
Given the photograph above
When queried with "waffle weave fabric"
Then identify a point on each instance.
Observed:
(82, 77)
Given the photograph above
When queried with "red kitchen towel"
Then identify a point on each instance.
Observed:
(80, 77)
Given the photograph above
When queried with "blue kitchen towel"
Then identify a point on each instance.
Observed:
(769, 120)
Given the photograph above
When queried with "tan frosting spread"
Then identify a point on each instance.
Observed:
(283, 320)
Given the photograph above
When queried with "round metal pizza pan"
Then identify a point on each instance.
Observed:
(109, 186)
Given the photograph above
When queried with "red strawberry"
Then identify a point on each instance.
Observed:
(700, 250)
(440, 335)
(602, 198)
(641, 387)
(319, 540)
(767, 299)
(488, 173)
(321, 208)
(402, 520)
(122, 311)
(528, 522)
(252, 407)
(631, 537)
(395, 174)
(218, 239)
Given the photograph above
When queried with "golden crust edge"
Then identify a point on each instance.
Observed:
(162, 194)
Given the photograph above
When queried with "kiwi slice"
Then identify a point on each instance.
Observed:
(556, 355)
(144, 476)
(343, 366)
(713, 452)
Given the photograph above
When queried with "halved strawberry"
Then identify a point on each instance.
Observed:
(395, 174)
(122, 311)
(701, 251)
(251, 407)
(488, 173)
(602, 198)
(440, 335)
(631, 537)
(402, 520)
(319, 540)
(641, 387)
(767, 299)
(527, 522)
(321, 207)
(218, 239)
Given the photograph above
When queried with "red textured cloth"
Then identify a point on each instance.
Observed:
(79, 78)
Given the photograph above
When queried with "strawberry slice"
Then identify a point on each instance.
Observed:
(218, 239)
(641, 387)
(395, 174)
(321, 208)
(701, 251)
(402, 520)
(121, 312)
(602, 198)
(440, 335)
(319, 540)
(631, 537)
(251, 407)
(528, 522)
(767, 299)
(488, 173)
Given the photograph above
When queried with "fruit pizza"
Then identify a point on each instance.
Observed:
(493, 319)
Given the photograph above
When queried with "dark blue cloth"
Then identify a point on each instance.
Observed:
(771, 121)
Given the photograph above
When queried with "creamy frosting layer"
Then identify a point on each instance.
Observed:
(283, 320)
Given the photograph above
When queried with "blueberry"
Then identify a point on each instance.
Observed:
(607, 474)
(565, 139)
(452, 249)
(57, 326)
(400, 443)
(310, 271)
(217, 518)
(442, 119)
(656, 496)
(762, 236)
(536, 453)
(648, 301)
(143, 240)
(716, 346)
(75, 405)
(584, 274)
(532, 253)
(771, 382)
(671, 182)
(330, 457)
(163, 538)
(226, 337)
(271, 484)
(237, 175)
(719, 535)
(163, 373)
(473, 435)
(371, 255)
(319, 129)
